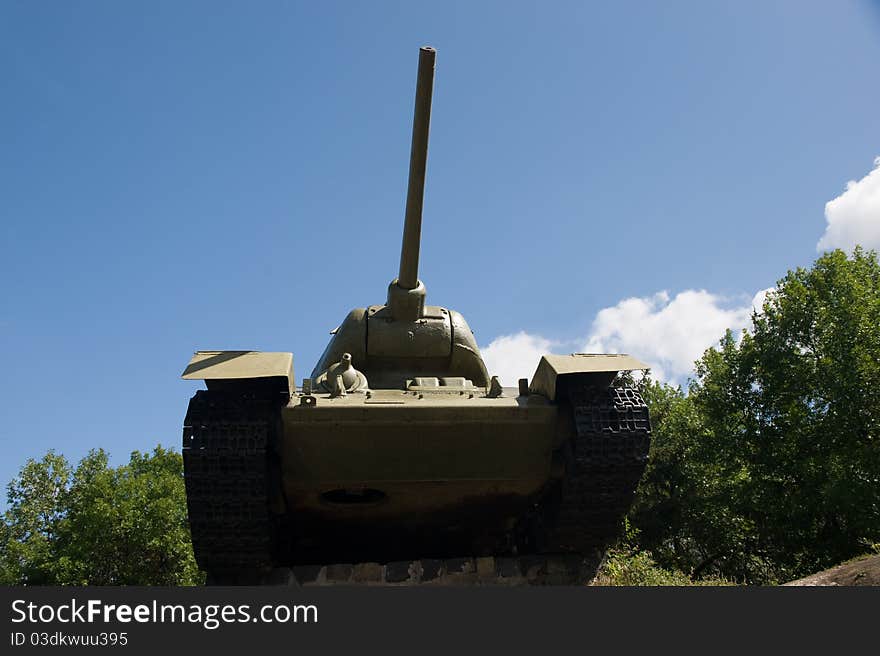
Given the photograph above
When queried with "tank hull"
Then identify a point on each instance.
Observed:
(394, 474)
(404, 459)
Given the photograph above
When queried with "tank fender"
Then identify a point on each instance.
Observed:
(257, 369)
(604, 368)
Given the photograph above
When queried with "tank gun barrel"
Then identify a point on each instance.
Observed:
(418, 159)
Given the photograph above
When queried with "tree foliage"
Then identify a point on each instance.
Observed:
(769, 468)
(98, 525)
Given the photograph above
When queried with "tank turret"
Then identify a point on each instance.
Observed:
(404, 340)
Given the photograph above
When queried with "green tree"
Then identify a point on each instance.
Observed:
(812, 369)
(769, 468)
(98, 525)
(36, 500)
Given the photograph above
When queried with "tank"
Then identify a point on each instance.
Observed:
(400, 443)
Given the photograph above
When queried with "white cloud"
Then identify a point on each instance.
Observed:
(854, 216)
(512, 357)
(759, 299)
(667, 333)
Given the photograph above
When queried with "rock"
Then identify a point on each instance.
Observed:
(863, 571)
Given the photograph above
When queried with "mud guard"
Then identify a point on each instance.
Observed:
(603, 368)
(224, 369)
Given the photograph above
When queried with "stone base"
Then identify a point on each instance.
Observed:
(562, 569)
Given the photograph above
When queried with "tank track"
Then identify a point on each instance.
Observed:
(604, 462)
(228, 440)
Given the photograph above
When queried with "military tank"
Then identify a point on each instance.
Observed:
(400, 443)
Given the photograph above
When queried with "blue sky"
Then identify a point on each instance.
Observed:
(178, 176)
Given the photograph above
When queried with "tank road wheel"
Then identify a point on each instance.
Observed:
(603, 464)
(228, 447)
